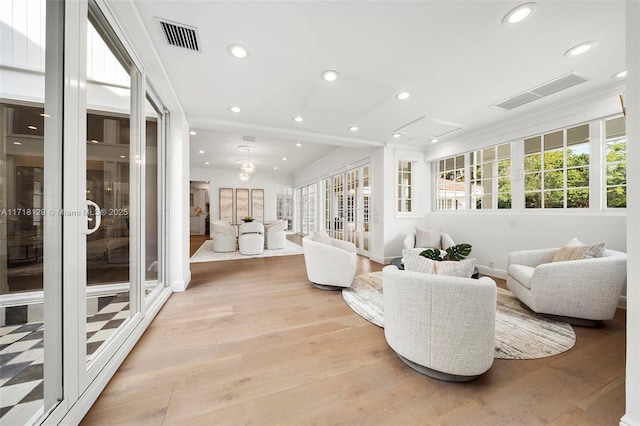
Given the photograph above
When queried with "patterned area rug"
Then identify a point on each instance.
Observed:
(520, 334)
(206, 254)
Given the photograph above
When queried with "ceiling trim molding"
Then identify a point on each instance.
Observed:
(278, 133)
(526, 123)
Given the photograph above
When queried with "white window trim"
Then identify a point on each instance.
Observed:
(417, 175)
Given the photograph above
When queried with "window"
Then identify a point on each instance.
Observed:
(405, 186)
(450, 194)
(556, 168)
(616, 163)
(490, 178)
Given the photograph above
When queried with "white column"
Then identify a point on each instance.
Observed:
(632, 101)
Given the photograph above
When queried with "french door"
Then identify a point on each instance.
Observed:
(346, 201)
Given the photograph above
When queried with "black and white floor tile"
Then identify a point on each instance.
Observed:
(22, 358)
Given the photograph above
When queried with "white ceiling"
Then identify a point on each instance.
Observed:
(455, 58)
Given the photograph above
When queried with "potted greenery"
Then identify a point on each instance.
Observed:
(247, 219)
(457, 252)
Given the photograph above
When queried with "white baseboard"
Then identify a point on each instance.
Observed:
(626, 421)
(379, 259)
(498, 273)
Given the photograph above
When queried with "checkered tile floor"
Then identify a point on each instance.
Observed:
(22, 358)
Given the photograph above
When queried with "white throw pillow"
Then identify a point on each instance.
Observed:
(427, 238)
(321, 237)
(463, 268)
(588, 251)
(416, 263)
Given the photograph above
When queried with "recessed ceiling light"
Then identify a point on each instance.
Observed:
(620, 74)
(201, 152)
(275, 167)
(32, 127)
(403, 95)
(396, 135)
(206, 163)
(234, 108)
(434, 140)
(298, 144)
(354, 128)
(284, 158)
(519, 14)
(193, 132)
(123, 156)
(238, 51)
(45, 115)
(94, 141)
(330, 75)
(17, 143)
(298, 118)
(581, 48)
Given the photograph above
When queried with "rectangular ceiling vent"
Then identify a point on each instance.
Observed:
(180, 35)
(546, 89)
(249, 138)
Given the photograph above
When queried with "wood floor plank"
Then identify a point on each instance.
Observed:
(251, 341)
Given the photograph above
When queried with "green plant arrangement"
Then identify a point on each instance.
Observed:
(457, 253)
(247, 219)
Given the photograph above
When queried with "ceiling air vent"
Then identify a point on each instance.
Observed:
(541, 91)
(249, 138)
(180, 35)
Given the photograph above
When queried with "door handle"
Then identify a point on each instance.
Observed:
(98, 218)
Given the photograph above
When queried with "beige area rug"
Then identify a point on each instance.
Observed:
(206, 254)
(520, 334)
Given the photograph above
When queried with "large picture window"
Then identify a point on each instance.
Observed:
(556, 169)
(616, 163)
(490, 180)
(450, 194)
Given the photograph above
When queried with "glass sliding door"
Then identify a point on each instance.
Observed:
(30, 219)
(154, 134)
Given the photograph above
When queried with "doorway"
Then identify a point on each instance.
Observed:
(199, 219)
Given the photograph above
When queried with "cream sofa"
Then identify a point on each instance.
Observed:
(582, 292)
(441, 326)
(331, 264)
(445, 242)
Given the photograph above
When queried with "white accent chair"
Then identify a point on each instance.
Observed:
(274, 234)
(251, 238)
(224, 236)
(441, 326)
(330, 265)
(582, 292)
(446, 241)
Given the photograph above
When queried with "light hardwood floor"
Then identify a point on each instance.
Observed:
(252, 342)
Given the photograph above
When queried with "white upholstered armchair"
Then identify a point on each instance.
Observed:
(274, 234)
(441, 326)
(331, 264)
(424, 238)
(582, 292)
(224, 236)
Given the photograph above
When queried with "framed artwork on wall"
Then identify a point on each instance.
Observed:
(257, 204)
(242, 204)
(226, 204)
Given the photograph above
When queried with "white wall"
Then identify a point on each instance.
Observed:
(225, 178)
(494, 236)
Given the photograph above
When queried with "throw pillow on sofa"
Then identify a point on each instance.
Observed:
(321, 237)
(416, 263)
(463, 268)
(427, 238)
(587, 251)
